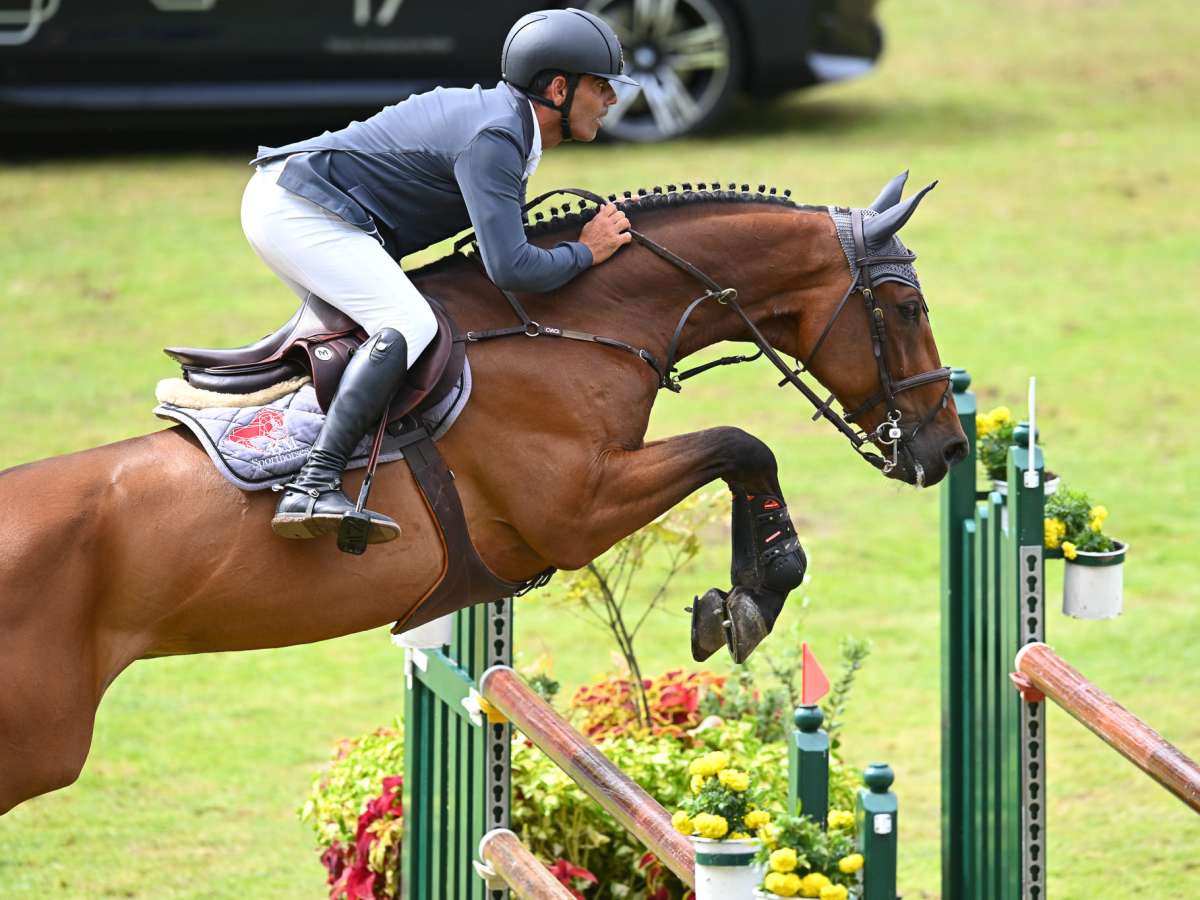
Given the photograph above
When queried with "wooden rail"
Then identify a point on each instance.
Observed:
(616, 792)
(523, 872)
(1111, 722)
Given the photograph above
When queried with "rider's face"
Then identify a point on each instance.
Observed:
(593, 97)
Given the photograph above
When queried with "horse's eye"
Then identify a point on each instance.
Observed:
(910, 311)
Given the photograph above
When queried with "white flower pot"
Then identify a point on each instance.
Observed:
(1094, 583)
(726, 870)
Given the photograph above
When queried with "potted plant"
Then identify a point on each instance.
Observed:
(995, 432)
(722, 817)
(802, 860)
(1093, 583)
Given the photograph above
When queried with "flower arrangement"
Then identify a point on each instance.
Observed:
(993, 436)
(1074, 524)
(801, 860)
(722, 806)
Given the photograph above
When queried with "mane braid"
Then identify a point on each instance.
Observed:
(646, 200)
(674, 196)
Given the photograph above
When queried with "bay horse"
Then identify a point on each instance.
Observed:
(140, 549)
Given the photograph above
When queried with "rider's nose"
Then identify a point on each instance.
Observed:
(955, 451)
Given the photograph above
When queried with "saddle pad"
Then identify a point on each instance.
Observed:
(256, 447)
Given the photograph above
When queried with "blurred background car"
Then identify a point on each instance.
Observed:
(73, 65)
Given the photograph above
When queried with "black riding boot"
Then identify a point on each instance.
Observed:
(314, 503)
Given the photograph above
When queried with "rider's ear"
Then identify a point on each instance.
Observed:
(558, 89)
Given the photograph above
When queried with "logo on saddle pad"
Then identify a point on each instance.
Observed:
(263, 432)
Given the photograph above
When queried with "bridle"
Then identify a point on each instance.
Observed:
(889, 433)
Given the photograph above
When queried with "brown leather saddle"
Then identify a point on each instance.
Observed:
(318, 341)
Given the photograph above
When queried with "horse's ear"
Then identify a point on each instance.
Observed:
(890, 195)
(877, 231)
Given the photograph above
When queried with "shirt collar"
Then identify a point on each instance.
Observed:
(535, 152)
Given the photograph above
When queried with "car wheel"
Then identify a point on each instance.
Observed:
(687, 55)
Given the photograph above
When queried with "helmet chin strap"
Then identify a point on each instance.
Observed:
(565, 109)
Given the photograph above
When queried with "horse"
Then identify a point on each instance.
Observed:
(140, 549)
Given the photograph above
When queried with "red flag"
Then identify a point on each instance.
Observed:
(813, 683)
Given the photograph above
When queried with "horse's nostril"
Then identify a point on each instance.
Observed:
(955, 451)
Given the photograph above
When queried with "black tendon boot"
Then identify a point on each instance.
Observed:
(314, 503)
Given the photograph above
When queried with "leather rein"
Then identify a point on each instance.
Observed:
(889, 433)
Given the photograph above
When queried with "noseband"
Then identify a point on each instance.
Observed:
(889, 433)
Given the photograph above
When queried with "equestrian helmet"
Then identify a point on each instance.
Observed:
(567, 40)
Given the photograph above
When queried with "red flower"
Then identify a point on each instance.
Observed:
(567, 873)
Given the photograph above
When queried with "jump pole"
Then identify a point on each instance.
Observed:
(636, 811)
(1051, 676)
(507, 863)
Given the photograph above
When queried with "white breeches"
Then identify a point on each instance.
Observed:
(312, 250)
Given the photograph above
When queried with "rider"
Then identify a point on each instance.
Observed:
(333, 215)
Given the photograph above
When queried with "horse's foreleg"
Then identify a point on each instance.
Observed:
(626, 489)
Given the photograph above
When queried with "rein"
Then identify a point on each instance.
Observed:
(888, 433)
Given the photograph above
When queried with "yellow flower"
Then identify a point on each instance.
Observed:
(709, 763)
(739, 836)
(834, 892)
(1068, 549)
(783, 860)
(769, 834)
(1097, 515)
(811, 884)
(734, 780)
(850, 864)
(1055, 529)
(1001, 414)
(983, 424)
(841, 818)
(698, 783)
(682, 823)
(783, 885)
(757, 818)
(710, 826)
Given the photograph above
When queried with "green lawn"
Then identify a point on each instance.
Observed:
(1062, 242)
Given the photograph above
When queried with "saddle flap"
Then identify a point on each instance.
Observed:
(432, 375)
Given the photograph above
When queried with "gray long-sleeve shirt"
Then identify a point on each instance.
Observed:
(426, 168)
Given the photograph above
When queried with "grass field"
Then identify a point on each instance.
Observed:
(1062, 242)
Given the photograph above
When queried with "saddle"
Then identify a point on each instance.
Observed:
(318, 341)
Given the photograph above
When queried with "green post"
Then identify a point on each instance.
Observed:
(958, 513)
(1024, 723)
(808, 766)
(876, 815)
(456, 766)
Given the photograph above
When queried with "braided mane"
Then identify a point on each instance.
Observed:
(646, 199)
(641, 200)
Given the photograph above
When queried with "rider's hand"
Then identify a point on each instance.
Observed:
(606, 233)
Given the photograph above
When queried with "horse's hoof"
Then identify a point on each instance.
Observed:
(708, 634)
(745, 626)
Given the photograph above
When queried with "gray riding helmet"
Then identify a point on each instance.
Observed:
(566, 40)
(569, 40)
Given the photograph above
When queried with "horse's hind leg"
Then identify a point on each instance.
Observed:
(49, 689)
(47, 712)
